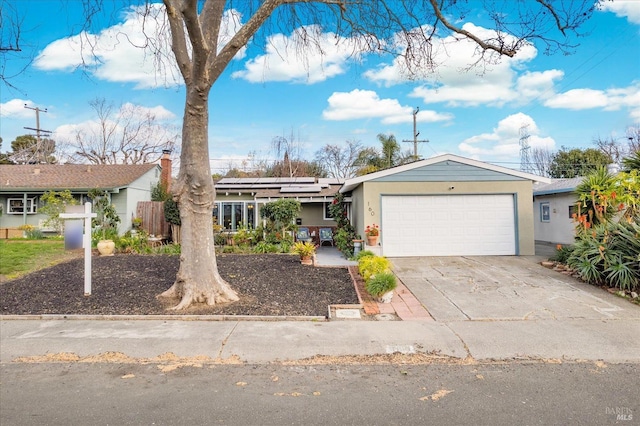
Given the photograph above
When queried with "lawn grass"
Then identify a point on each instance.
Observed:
(19, 257)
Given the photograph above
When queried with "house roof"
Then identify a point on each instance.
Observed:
(557, 186)
(70, 176)
(351, 184)
(271, 187)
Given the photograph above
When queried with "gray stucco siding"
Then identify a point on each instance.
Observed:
(448, 171)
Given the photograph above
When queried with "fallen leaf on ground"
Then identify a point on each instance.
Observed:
(436, 396)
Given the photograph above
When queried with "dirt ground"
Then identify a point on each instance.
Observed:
(127, 284)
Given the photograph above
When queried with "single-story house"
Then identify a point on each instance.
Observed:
(21, 187)
(554, 205)
(238, 200)
(446, 206)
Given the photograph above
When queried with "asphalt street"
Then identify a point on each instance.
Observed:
(590, 393)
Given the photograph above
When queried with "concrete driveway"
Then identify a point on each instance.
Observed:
(504, 288)
(512, 307)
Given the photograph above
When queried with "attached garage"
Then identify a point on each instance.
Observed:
(446, 206)
(448, 225)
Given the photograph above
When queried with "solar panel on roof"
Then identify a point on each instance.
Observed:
(308, 188)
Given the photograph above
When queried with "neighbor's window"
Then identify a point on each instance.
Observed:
(17, 206)
(545, 212)
(572, 211)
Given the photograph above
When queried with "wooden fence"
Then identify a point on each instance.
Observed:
(153, 221)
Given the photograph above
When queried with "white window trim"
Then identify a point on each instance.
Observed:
(32, 206)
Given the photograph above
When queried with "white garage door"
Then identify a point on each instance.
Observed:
(448, 225)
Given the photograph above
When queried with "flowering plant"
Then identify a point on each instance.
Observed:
(372, 231)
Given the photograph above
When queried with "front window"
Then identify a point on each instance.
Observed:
(234, 215)
(17, 206)
(545, 212)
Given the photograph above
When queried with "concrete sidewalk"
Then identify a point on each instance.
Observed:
(263, 342)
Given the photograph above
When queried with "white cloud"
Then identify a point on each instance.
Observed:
(359, 104)
(609, 100)
(134, 51)
(286, 58)
(458, 81)
(624, 8)
(159, 112)
(504, 141)
(15, 108)
(578, 99)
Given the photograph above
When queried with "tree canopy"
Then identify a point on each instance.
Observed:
(570, 163)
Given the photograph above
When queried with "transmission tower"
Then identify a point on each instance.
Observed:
(525, 162)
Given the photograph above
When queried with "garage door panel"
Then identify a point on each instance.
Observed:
(448, 225)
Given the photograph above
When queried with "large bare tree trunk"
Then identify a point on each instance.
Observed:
(198, 279)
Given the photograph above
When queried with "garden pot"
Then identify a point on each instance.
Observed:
(372, 240)
(306, 260)
(386, 297)
(106, 247)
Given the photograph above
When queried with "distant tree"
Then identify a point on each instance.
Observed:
(127, 135)
(339, 161)
(613, 148)
(390, 155)
(541, 159)
(4, 158)
(295, 168)
(577, 162)
(159, 192)
(27, 149)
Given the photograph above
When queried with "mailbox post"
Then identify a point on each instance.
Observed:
(86, 242)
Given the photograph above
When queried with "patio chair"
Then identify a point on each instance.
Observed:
(326, 234)
(303, 235)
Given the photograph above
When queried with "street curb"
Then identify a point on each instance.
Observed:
(58, 317)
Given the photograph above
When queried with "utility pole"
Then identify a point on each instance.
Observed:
(38, 131)
(416, 133)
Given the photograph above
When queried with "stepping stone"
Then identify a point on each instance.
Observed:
(348, 313)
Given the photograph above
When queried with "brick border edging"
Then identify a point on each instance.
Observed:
(366, 300)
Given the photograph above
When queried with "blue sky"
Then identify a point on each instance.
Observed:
(562, 100)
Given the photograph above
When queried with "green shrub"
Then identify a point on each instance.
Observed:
(284, 246)
(242, 236)
(167, 249)
(373, 265)
(219, 240)
(34, 234)
(265, 247)
(562, 254)
(609, 254)
(381, 284)
(364, 253)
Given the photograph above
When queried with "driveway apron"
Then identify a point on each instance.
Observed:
(512, 307)
(504, 288)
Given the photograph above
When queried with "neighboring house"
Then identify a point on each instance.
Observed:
(21, 187)
(238, 200)
(446, 206)
(553, 208)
